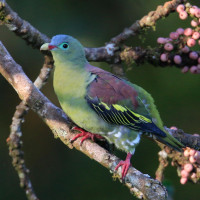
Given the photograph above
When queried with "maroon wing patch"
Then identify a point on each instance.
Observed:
(109, 88)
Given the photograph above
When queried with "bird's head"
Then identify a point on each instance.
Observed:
(65, 47)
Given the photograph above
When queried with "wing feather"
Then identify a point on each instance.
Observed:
(120, 115)
(118, 102)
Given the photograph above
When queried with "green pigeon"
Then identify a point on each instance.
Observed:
(101, 104)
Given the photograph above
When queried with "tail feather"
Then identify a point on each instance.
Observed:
(165, 138)
(170, 141)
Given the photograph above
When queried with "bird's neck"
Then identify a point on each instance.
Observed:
(71, 78)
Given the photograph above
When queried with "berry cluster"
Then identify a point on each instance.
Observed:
(177, 47)
(189, 168)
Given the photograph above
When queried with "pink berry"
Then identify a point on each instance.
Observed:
(174, 128)
(191, 42)
(184, 70)
(193, 175)
(161, 40)
(192, 159)
(188, 32)
(197, 12)
(194, 23)
(196, 35)
(184, 173)
(193, 55)
(168, 40)
(168, 47)
(183, 15)
(185, 49)
(174, 35)
(177, 59)
(197, 154)
(186, 152)
(183, 181)
(188, 167)
(180, 31)
(180, 8)
(194, 69)
(164, 57)
(199, 60)
(192, 10)
(199, 42)
(192, 152)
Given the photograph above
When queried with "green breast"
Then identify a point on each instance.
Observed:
(71, 87)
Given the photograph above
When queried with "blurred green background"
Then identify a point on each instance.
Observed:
(56, 171)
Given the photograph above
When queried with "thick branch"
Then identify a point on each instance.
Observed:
(147, 21)
(21, 27)
(58, 122)
(187, 139)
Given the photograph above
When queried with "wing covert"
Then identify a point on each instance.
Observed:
(122, 115)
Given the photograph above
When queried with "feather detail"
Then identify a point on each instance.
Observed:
(120, 115)
(110, 88)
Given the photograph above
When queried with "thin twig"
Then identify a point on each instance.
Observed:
(15, 144)
(163, 163)
(152, 56)
(14, 139)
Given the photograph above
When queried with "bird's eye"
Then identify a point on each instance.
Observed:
(64, 45)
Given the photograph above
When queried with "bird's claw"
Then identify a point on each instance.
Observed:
(86, 135)
(125, 165)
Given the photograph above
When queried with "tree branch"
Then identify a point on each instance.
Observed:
(56, 119)
(109, 53)
(152, 56)
(187, 139)
(147, 21)
(14, 139)
(58, 122)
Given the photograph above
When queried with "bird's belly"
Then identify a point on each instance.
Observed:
(124, 138)
(82, 115)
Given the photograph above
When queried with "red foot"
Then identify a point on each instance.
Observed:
(125, 165)
(85, 135)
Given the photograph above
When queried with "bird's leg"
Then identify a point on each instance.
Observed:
(85, 135)
(125, 165)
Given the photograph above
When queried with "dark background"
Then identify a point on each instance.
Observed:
(56, 171)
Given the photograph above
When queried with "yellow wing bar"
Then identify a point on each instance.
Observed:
(120, 115)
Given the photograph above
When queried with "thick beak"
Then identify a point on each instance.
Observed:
(44, 47)
(47, 47)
